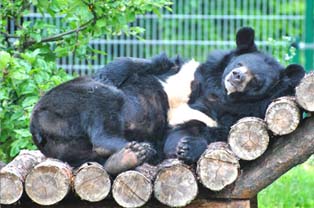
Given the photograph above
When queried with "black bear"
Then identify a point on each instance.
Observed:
(230, 85)
(130, 105)
(116, 114)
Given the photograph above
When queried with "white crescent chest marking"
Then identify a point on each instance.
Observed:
(178, 89)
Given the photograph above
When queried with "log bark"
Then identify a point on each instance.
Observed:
(134, 188)
(2, 164)
(175, 184)
(49, 182)
(305, 92)
(217, 167)
(248, 138)
(283, 116)
(13, 175)
(286, 152)
(91, 182)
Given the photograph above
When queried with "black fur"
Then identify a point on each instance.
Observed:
(94, 118)
(270, 80)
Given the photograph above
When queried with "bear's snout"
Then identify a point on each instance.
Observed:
(237, 75)
(237, 79)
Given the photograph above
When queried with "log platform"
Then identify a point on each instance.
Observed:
(226, 175)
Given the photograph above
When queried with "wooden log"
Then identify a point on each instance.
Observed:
(134, 188)
(283, 116)
(175, 184)
(49, 182)
(2, 164)
(217, 167)
(91, 182)
(248, 138)
(305, 92)
(285, 152)
(13, 175)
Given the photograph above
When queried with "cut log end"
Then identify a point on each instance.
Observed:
(248, 138)
(11, 188)
(175, 186)
(49, 182)
(92, 183)
(305, 92)
(132, 189)
(12, 175)
(282, 116)
(217, 167)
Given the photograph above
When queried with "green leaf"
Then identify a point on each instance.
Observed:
(30, 101)
(19, 75)
(5, 58)
(23, 132)
(61, 51)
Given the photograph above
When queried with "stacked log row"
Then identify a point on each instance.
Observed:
(175, 184)
(134, 188)
(13, 175)
(91, 182)
(218, 166)
(49, 182)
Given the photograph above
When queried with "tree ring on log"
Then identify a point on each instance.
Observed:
(282, 116)
(175, 186)
(49, 182)
(131, 189)
(92, 182)
(13, 175)
(248, 138)
(218, 166)
(11, 188)
(305, 92)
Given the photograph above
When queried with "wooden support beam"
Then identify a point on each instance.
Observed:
(285, 152)
(71, 202)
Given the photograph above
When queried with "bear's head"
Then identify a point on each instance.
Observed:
(253, 75)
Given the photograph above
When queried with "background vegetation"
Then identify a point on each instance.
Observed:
(28, 56)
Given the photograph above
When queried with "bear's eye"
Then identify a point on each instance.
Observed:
(239, 64)
(256, 82)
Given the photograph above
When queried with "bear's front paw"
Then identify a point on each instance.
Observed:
(189, 149)
(131, 156)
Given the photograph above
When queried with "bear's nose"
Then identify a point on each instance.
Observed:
(237, 75)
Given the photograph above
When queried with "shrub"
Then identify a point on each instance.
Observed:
(28, 54)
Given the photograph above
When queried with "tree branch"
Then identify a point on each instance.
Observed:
(7, 35)
(59, 36)
(286, 152)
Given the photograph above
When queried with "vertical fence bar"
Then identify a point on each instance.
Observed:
(309, 39)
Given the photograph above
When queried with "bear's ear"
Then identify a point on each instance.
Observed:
(295, 73)
(245, 40)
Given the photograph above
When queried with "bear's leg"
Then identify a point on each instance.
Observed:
(181, 144)
(122, 154)
(189, 140)
(131, 156)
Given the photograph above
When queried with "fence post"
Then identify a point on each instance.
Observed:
(309, 38)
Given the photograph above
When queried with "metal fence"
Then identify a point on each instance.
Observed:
(195, 27)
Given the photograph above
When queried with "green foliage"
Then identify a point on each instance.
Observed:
(23, 81)
(28, 55)
(293, 189)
